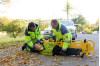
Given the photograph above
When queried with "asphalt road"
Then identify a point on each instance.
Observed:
(71, 60)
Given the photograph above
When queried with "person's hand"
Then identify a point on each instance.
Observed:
(51, 39)
(63, 52)
(37, 49)
(37, 46)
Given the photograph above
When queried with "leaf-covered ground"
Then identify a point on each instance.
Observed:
(14, 56)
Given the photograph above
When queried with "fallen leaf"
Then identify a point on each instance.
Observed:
(74, 58)
(66, 62)
(78, 65)
(82, 65)
(35, 65)
(56, 56)
(55, 61)
(71, 62)
(95, 61)
(48, 64)
(87, 65)
(77, 59)
(71, 58)
(80, 58)
(97, 56)
(25, 62)
(62, 58)
(63, 62)
(92, 60)
(56, 65)
(38, 59)
(40, 63)
(59, 63)
(94, 64)
(34, 62)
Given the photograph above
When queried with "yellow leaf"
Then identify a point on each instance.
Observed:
(95, 61)
(80, 58)
(71, 62)
(87, 65)
(35, 65)
(66, 62)
(78, 65)
(40, 63)
(97, 56)
(63, 62)
(92, 60)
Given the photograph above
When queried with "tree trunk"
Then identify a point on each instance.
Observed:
(67, 17)
(67, 10)
(14, 36)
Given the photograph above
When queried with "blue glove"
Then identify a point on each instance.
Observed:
(34, 48)
(62, 51)
(38, 41)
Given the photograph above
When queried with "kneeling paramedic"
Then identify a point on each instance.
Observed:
(32, 36)
(61, 32)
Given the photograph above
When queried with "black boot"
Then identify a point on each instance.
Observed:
(24, 46)
(78, 51)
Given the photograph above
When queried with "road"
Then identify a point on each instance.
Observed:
(68, 60)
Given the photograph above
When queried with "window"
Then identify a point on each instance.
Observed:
(67, 22)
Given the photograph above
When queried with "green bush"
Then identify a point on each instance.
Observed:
(87, 28)
(15, 28)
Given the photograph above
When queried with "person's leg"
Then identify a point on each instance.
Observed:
(28, 48)
(56, 50)
(24, 46)
(73, 51)
(70, 51)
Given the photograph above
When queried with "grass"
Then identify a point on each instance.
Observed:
(11, 40)
(6, 42)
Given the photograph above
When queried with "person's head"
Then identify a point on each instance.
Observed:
(32, 26)
(54, 23)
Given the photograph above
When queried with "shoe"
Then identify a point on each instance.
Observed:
(78, 51)
(24, 46)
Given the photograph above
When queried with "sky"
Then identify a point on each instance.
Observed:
(50, 9)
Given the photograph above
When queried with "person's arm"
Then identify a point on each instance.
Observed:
(39, 35)
(66, 38)
(54, 36)
(28, 39)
